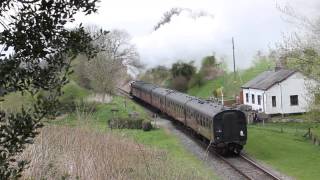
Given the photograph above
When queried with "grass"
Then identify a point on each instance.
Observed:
(231, 86)
(179, 158)
(287, 151)
(161, 139)
(72, 91)
(61, 152)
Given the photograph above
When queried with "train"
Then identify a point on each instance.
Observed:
(225, 128)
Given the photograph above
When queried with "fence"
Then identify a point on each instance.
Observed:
(313, 137)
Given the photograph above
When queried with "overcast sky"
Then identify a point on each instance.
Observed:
(255, 25)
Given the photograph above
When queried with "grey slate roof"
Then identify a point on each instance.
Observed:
(267, 79)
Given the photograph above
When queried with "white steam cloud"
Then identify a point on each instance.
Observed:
(187, 35)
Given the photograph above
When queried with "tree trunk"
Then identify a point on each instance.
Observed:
(103, 97)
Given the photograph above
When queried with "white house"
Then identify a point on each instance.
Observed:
(279, 91)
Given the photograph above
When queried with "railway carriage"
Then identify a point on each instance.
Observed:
(200, 115)
(175, 105)
(142, 91)
(159, 98)
(225, 128)
(135, 88)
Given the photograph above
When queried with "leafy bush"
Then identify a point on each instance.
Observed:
(180, 83)
(196, 80)
(72, 93)
(125, 123)
(146, 125)
(130, 123)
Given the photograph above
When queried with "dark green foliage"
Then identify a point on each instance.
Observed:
(41, 51)
(197, 80)
(183, 69)
(158, 75)
(80, 75)
(72, 94)
(146, 125)
(125, 123)
(179, 83)
(209, 61)
(181, 75)
(210, 69)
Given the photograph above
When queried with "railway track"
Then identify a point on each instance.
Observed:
(248, 168)
(124, 92)
(242, 164)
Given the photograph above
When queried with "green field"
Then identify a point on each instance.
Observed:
(283, 147)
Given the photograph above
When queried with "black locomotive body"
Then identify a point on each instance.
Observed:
(225, 128)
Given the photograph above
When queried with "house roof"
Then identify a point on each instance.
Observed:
(267, 79)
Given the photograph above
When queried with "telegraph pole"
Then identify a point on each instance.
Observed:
(234, 60)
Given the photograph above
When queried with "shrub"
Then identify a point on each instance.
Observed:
(180, 83)
(146, 125)
(125, 123)
(196, 80)
(71, 94)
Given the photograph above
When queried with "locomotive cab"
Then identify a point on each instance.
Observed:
(230, 130)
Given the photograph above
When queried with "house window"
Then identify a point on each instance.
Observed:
(252, 97)
(259, 99)
(247, 97)
(274, 102)
(294, 101)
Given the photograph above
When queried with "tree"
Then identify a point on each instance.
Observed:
(80, 72)
(210, 68)
(36, 54)
(183, 69)
(180, 83)
(181, 75)
(158, 75)
(116, 56)
(300, 51)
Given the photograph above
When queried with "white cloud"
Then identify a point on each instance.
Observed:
(256, 25)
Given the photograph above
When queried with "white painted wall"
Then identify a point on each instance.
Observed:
(294, 85)
(255, 105)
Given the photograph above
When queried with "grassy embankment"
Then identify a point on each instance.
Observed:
(283, 146)
(230, 86)
(286, 150)
(80, 144)
(158, 138)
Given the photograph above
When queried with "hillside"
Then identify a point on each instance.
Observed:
(231, 85)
